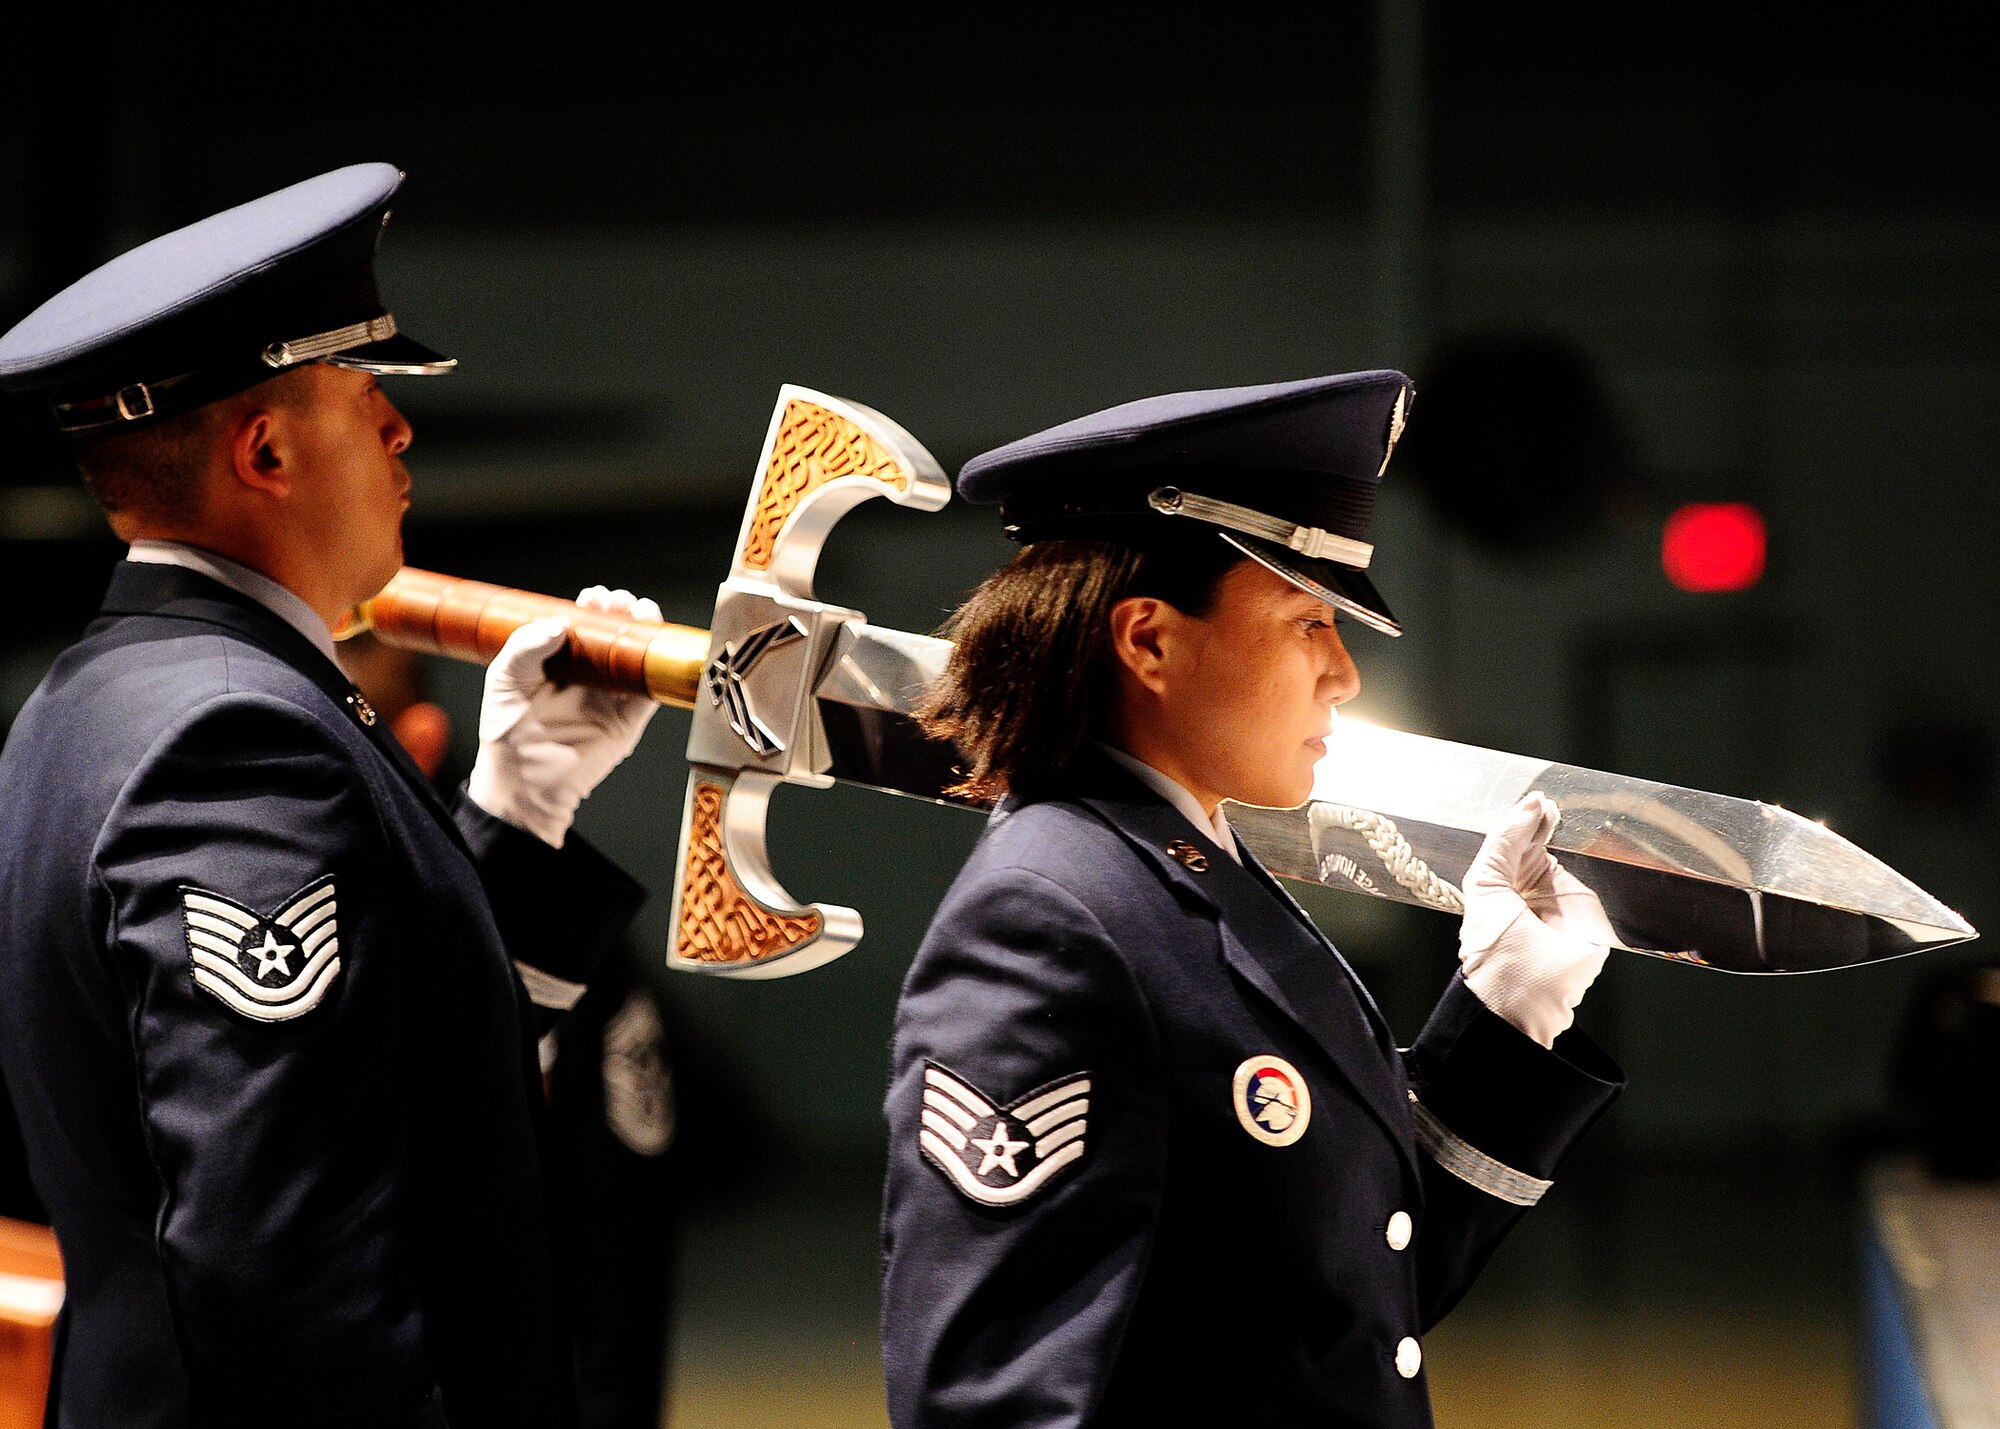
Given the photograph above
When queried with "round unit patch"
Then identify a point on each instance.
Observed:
(1272, 1100)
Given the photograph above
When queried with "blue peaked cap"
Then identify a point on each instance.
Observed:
(1286, 472)
(218, 306)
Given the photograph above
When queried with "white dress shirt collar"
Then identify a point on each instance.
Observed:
(1216, 828)
(241, 579)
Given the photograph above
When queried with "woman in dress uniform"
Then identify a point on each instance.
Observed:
(1154, 1155)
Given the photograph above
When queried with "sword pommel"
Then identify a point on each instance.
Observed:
(470, 620)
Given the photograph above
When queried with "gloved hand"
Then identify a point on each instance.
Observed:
(1533, 938)
(542, 749)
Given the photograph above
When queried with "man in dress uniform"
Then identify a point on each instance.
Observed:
(268, 1007)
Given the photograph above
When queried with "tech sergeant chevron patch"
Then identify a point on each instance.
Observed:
(269, 968)
(1000, 1156)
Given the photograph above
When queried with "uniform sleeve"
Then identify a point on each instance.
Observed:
(250, 916)
(1027, 1144)
(560, 911)
(1495, 1113)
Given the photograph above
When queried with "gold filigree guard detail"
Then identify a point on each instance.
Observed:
(813, 446)
(719, 922)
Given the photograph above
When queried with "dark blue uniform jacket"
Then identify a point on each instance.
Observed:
(1104, 1206)
(271, 1058)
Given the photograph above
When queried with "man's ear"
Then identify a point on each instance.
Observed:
(1139, 638)
(256, 452)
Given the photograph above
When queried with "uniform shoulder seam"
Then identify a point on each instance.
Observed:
(196, 714)
(1069, 897)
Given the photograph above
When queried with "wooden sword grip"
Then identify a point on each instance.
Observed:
(470, 620)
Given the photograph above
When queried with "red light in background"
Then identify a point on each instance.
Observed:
(1714, 546)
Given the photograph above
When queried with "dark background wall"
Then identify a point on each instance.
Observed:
(1632, 256)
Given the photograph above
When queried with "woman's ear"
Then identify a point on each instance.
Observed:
(1139, 639)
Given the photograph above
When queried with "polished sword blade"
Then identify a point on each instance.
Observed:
(1708, 879)
(1704, 878)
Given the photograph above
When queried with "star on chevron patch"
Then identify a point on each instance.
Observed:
(1000, 1156)
(271, 968)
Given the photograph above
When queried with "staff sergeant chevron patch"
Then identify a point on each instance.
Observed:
(1002, 1156)
(269, 968)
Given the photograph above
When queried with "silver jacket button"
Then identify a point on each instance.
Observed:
(1398, 1233)
(1409, 1358)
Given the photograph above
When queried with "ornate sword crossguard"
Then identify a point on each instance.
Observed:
(755, 726)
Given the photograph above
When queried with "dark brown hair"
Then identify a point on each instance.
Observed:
(154, 469)
(1029, 679)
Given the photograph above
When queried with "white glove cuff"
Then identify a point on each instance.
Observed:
(1539, 1000)
(502, 798)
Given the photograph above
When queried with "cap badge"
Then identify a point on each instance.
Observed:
(1188, 856)
(1396, 420)
(1272, 1100)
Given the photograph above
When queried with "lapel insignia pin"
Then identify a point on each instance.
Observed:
(270, 968)
(363, 711)
(1272, 1100)
(1000, 1156)
(1188, 856)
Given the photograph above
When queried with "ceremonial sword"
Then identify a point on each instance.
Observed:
(785, 688)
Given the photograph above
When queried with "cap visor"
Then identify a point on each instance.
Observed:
(1343, 587)
(399, 355)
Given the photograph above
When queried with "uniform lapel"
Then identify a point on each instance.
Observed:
(1301, 974)
(1153, 826)
(1378, 1024)
(1268, 942)
(176, 593)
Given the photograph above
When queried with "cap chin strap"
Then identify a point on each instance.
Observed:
(1309, 541)
(138, 400)
(128, 404)
(1346, 605)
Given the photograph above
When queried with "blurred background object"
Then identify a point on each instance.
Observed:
(31, 1294)
(1930, 1235)
(1520, 447)
(1635, 258)
(1947, 1072)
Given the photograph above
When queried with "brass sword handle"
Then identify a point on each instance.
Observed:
(748, 681)
(471, 620)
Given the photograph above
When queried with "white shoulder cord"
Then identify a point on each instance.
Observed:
(1402, 862)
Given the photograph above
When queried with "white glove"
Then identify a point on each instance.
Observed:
(542, 749)
(1533, 938)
